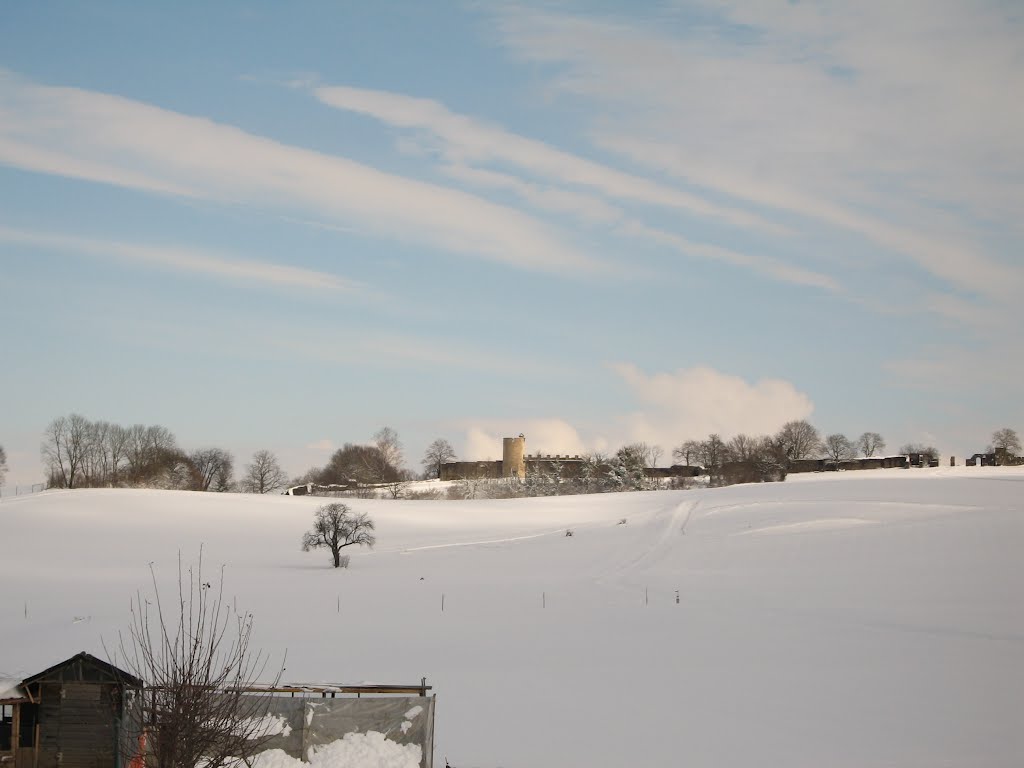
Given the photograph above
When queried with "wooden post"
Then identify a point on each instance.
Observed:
(16, 731)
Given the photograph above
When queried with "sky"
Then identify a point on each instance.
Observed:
(285, 226)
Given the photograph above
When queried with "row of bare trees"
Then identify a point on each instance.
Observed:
(749, 458)
(79, 453)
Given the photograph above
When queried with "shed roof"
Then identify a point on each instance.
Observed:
(85, 660)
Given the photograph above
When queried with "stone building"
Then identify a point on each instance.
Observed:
(515, 462)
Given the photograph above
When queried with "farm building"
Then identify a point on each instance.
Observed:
(67, 716)
(78, 713)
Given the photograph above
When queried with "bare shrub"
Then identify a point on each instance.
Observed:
(199, 669)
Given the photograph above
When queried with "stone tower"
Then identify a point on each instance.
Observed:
(513, 457)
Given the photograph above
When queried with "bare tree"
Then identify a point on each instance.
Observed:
(64, 449)
(742, 448)
(336, 526)
(196, 661)
(399, 487)
(838, 447)
(1005, 440)
(438, 452)
(149, 451)
(686, 452)
(264, 474)
(712, 453)
(869, 443)
(654, 452)
(117, 449)
(3, 465)
(800, 440)
(96, 466)
(215, 467)
(384, 464)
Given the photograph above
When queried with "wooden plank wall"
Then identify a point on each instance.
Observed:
(78, 729)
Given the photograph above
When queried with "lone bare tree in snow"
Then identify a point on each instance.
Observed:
(3, 465)
(263, 474)
(336, 526)
(438, 452)
(869, 443)
(195, 658)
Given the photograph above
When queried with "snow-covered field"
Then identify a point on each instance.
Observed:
(850, 619)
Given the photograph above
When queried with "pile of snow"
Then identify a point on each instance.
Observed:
(847, 619)
(355, 750)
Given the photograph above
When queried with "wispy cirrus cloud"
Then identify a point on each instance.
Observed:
(464, 140)
(766, 265)
(109, 139)
(555, 181)
(189, 260)
(899, 124)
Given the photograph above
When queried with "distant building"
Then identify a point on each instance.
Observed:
(515, 462)
(1000, 457)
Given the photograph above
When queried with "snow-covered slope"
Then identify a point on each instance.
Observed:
(857, 619)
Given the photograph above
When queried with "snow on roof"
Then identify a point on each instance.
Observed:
(10, 688)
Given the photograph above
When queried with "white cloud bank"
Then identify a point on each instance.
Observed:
(690, 403)
(547, 436)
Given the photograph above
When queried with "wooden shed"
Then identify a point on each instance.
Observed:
(67, 716)
(17, 724)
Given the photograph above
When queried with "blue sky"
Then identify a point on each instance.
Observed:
(285, 226)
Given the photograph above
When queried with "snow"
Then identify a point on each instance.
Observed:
(268, 725)
(10, 688)
(868, 618)
(355, 750)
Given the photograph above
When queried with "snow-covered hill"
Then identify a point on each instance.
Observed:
(856, 619)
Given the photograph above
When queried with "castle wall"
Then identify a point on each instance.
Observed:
(471, 470)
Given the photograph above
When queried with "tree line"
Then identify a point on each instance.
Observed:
(79, 453)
